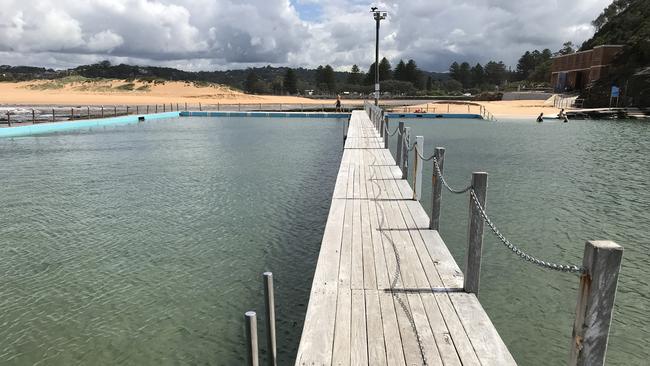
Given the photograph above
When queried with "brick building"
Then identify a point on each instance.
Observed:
(576, 70)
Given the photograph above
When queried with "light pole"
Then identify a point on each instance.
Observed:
(378, 15)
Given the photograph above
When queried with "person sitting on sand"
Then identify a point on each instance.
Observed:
(338, 103)
(540, 118)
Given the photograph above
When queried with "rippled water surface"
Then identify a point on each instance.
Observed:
(145, 244)
(552, 186)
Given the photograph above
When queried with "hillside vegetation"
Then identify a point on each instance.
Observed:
(625, 22)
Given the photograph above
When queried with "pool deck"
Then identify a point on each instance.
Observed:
(386, 290)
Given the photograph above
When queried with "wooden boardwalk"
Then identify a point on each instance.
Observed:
(386, 289)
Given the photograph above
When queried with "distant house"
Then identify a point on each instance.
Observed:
(576, 70)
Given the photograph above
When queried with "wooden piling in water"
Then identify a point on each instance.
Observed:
(596, 295)
(436, 189)
(475, 234)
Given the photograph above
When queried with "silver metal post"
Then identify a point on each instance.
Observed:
(251, 338)
(475, 234)
(270, 317)
(436, 189)
(597, 292)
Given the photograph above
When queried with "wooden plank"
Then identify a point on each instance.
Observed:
(441, 334)
(341, 348)
(392, 337)
(425, 334)
(356, 276)
(369, 276)
(457, 333)
(345, 266)
(409, 338)
(381, 269)
(359, 341)
(485, 340)
(375, 329)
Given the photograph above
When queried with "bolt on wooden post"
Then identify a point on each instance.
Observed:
(436, 188)
(596, 295)
(475, 233)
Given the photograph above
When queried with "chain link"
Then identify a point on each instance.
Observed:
(391, 134)
(519, 252)
(444, 182)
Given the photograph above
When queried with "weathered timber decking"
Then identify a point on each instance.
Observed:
(355, 316)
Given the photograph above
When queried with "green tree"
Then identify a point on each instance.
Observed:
(400, 71)
(567, 48)
(464, 75)
(429, 86)
(454, 69)
(355, 75)
(478, 75)
(290, 82)
(251, 82)
(526, 65)
(495, 72)
(412, 73)
(385, 70)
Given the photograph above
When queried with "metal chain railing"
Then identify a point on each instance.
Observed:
(393, 133)
(527, 257)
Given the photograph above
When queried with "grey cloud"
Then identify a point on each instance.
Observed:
(218, 34)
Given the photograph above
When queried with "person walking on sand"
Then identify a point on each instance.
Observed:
(338, 103)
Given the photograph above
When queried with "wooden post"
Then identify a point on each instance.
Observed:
(102, 111)
(202, 109)
(147, 108)
(171, 107)
(8, 119)
(419, 163)
(475, 234)
(251, 338)
(596, 295)
(447, 107)
(33, 116)
(400, 141)
(270, 318)
(185, 105)
(386, 133)
(381, 127)
(301, 108)
(127, 110)
(87, 112)
(163, 107)
(53, 115)
(115, 111)
(405, 153)
(72, 114)
(436, 189)
(156, 108)
(176, 107)
(137, 110)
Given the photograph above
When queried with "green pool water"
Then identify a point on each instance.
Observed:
(552, 186)
(145, 244)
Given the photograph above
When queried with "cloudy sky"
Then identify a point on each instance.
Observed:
(223, 34)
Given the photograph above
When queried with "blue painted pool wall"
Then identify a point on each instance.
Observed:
(435, 115)
(52, 127)
(265, 114)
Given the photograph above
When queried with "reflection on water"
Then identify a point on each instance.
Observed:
(145, 244)
(552, 186)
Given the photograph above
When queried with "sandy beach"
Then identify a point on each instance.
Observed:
(122, 93)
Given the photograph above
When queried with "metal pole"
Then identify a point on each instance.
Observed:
(475, 234)
(419, 163)
(377, 19)
(270, 317)
(405, 153)
(400, 141)
(436, 189)
(251, 338)
(602, 262)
